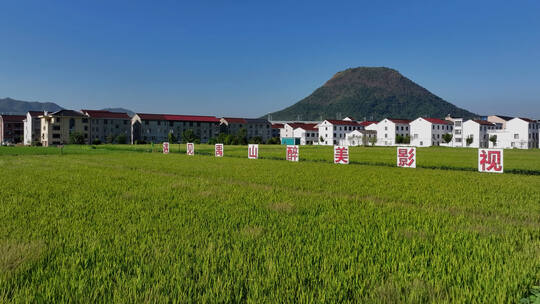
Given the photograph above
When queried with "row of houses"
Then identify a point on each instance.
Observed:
(55, 128)
(104, 126)
(491, 131)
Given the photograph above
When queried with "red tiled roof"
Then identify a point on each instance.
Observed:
(13, 118)
(527, 119)
(400, 121)
(169, 117)
(105, 114)
(35, 113)
(437, 121)
(367, 123)
(235, 120)
(305, 126)
(277, 126)
(483, 122)
(342, 122)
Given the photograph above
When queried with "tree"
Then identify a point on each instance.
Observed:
(256, 140)
(493, 139)
(469, 140)
(109, 139)
(373, 140)
(171, 137)
(188, 136)
(121, 139)
(399, 139)
(76, 138)
(242, 136)
(407, 139)
(447, 137)
(273, 141)
(321, 139)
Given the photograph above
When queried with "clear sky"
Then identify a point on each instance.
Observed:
(248, 58)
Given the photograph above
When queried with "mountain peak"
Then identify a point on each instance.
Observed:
(371, 92)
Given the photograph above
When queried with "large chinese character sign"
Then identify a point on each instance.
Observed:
(341, 155)
(218, 150)
(490, 160)
(292, 153)
(165, 148)
(253, 151)
(190, 149)
(406, 157)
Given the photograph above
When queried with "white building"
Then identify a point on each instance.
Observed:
(299, 133)
(499, 120)
(521, 133)
(427, 132)
(32, 128)
(389, 129)
(333, 131)
(358, 138)
(476, 131)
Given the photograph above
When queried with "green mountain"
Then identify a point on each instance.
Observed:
(373, 93)
(12, 106)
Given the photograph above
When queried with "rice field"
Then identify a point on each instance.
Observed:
(119, 224)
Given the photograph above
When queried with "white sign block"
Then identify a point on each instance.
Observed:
(253, 151)
(341, 155)
(218, 150)
(165, 148)
(406, 157)
(292, 153)
(190, 149)
(490, 160)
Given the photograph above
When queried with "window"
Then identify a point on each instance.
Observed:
(146, 122)
(117, 126)
(56, 135)
(85, 120)
(159, 122)
(105, 121)
(55, 128)
(385, 128)
(516, 136)
(86, 128)
(71, 123)
(170, 123)
(125, 122)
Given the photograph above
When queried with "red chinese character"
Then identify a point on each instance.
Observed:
(219, 150)
(406, 157)
(253, 151)
(165, 148)
(341, 155)
(292, 153)
(492, 159)
(190, 149)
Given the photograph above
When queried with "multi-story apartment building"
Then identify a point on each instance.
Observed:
(300, 133)
(427, 132)
(254, 127)
(276, 129)
(359, 138)
(521, 133)
(332, 131)
(156, 127)
(476, 132)
(11, 129)
(106, 126)
(389, 129)
(499, 120)
(32, 127)
(57, 127)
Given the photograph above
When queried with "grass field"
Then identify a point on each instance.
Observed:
(108, 224)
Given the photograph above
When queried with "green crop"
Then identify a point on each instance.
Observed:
(107, 224)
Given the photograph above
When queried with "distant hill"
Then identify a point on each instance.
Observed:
(370, 92)
(121, 110)
(12, 106)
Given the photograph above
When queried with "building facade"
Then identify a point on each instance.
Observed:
(57, 127)
(520, 133)
(254, 127)
(32, 127)
(155, 128)
(389, 129)
(299, 133)
(426, 132)
(359, 138)
(331, 132)
(11, 129)
(475, 133)
(108, 127)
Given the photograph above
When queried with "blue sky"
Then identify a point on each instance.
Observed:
(249, 58)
